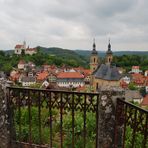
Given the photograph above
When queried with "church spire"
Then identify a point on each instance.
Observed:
(109, 51)
(94, 44)
(109, 45)
(94, 47)
(109, 54)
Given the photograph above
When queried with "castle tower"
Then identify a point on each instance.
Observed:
(94, 59)
(109, 54)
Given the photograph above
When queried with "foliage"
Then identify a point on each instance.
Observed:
(67, 127)
(7, 62)
(127, 61)
(143, 91)
(138, 142)
(132, 86)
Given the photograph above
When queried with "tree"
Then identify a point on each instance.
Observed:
(132, 86)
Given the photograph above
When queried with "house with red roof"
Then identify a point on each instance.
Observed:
(42, 76)
(70, 79)
(123, 84)
(144, 102)
(21, 64)
(136, 69)
(15, 77)
(138, 79)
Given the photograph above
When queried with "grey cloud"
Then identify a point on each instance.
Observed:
(72, 23)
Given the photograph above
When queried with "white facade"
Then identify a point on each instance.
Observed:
(18, 51)
(21, 66)
(136, 69)
(27, 83)
(45, 83)
(126, 79)
(146, 73)
(146, 88)
(30, 52)
(70, 84)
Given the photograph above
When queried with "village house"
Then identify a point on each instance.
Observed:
(41, 77)
(133, 95)
(138, 79)
(136, 69)
(70, 79)
(144, 102)
(21, 64)
(27, 81)
(125, 80)
(146, 73)
(52, 77)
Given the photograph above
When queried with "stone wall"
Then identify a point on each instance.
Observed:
(107, 111)
(4, 134)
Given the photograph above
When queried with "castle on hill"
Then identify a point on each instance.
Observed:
(20, 48)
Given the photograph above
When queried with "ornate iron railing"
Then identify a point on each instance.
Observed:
(131, 126)
(49, 118)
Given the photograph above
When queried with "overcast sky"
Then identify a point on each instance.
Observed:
(73, 24)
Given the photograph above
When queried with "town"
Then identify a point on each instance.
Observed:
(99, 76)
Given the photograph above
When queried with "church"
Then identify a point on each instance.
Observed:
(103, 75)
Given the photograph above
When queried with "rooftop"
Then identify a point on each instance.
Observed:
(107, 72)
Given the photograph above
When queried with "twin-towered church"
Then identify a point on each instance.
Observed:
(104, 75)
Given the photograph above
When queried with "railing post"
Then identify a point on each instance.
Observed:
(106, 115)
(4, 130)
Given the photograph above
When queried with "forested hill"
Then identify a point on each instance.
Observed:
(59, 52)
(87, 53)
(81, 53)
(64, 54)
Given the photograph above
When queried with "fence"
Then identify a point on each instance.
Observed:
(133, 123)
(46, 118)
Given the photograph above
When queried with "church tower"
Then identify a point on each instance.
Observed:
(94, 59)
(109, 54)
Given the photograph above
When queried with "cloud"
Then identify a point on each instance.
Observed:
(74, 23)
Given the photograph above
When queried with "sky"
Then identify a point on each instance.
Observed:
(72, 24)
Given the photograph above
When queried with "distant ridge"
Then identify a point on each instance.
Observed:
(85, 53)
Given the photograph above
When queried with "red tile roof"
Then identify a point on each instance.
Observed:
(18, 46)
(42, 76)
(15, 77)
(86, 72)
(139, 79)
(123, 84)
(145, 101)
(70, 75)
(135, 67)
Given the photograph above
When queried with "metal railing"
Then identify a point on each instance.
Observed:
(131, 126)
(49, 118)
(59, 119)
